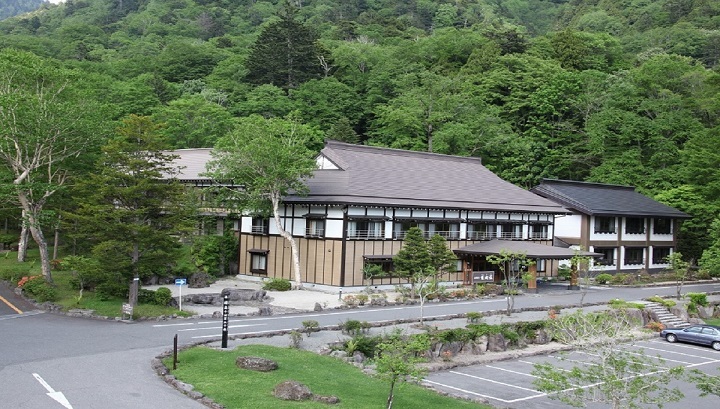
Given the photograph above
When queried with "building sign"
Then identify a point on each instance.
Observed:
(483, 277)
(127, 309)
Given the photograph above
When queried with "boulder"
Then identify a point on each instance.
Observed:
(254, 363)
(496, 343)
(200, 298)
(358, 357)
(680, 312)
(292, 390)
(243, 294)
(318, 307)
(199, 280)
(264, 311)
(706, 312)
(541, 337)
(330, 400)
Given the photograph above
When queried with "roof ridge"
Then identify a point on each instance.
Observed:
(398, 152)
(551, 181)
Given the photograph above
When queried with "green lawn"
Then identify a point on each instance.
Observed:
(69, 295)
(713, 321)
(214, 373)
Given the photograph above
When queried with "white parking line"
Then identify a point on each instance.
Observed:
(493, 381)
(511, 371)
(485, 396)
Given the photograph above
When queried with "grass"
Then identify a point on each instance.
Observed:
(213, 372)
(713, 321)
(12, 271)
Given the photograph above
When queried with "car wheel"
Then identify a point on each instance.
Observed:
(716, 345)
(671, 337)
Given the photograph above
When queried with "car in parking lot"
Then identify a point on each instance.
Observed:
(696, 334)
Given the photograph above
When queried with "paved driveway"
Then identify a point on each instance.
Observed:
(509, 384)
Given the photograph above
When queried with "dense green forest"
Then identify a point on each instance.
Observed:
(615, 91)
(10, 8)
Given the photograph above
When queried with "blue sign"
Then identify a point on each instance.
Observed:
(180, 281)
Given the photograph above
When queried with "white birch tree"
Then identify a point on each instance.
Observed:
(266, 159)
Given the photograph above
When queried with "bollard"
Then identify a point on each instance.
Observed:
(340, 295)
(175, 361)
(226, 313)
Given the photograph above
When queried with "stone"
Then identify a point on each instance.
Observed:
(201, 299)
(254, 363)
(199, 280)
(264, 311)
(243, 294)
(496, 343)
(330, 400)
(318, 307)
(292, 390)
(358, 357)
(478, 347)
(680, 312)
(705, 312)
(541, 337)
(636, 315)
(339, 354)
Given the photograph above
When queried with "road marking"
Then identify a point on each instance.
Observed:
(511, 371)
(244, 333)
(218, 327)
(485, 396)
(493, 381)
(9, 304)
(25, 314)
(57, 396)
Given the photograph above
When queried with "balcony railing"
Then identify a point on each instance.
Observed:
(511, 235)
(314, 232)
(259, 229)
(539, 235)
(453, 235)
(366, 234)
(481, 235)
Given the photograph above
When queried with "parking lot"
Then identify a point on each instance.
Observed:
(509, 384)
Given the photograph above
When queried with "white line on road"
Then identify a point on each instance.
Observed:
(493, 381)
(57, 396)
(218, 327)
(243, 333)
(484, 396)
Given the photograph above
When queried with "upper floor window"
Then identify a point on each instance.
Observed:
(634, 225)
(481, 231)
(315, 227)
(446, 229)
(634, 255)
(260, 225)
(366, 229)
(660, 255)
(539, 232)
(607, 258)
(662, 225)
(511, 231)
(604, 224)
(400, 228)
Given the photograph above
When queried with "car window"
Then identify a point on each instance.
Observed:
(709, 331)
(693, 329)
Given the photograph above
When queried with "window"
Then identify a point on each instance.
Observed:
(314, 227)
(539, 232)
(540, 265)
(260, 225)
(604, 224)
(634, 225)
(660, 255)
(378, 266)
(634, 255)
(258, 261)
(662, 225)
(366, 229)
(447, 230)
(481, 231)
(607, 258)
(400, 228)
(511, 231)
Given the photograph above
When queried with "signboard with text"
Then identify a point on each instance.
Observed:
(483, 277)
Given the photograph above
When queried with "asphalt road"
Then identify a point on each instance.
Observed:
(51, 361)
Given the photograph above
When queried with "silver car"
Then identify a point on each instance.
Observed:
(696, 334)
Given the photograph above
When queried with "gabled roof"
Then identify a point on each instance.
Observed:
(603, 199)
(530, 249)
(368, 175)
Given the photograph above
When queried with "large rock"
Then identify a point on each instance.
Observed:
(541, 337)
(199, 280)
(680, 312)
(201, 298)
(496, 343)
(292, 390)
(254, 363)
(243, 294)
(706, 312)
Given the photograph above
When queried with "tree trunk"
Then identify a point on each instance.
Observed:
(285, 234)
(39, 238)
(23, 241)
(391, 395)
(57, 240)
(135, 284)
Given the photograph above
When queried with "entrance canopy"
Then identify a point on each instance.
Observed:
(530, 249)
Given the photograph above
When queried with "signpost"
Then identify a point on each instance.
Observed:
(483, 276)
(226, 314)
(180, 282)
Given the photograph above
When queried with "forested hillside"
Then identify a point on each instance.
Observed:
(9, 8)
(617, 91)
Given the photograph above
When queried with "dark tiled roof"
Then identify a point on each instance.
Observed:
(603, 199)
(530, 249)
(391, 177)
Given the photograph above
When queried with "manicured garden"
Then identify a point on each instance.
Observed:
(214, 373)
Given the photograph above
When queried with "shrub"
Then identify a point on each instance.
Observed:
(163, 296)
(618, 279)
(564, 272)
(110, 289)
(311, 326)
(662, 301)
(603, 278)
(277, 284)
(146, 296)
(473, 317)
(618, 303)
(364, 344)
(39, 289)
(655, 326)
(703, 275)
(295, 339)
(698, 298)
(362, 298)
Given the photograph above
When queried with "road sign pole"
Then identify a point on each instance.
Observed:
(180, 299)
(226, 313)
